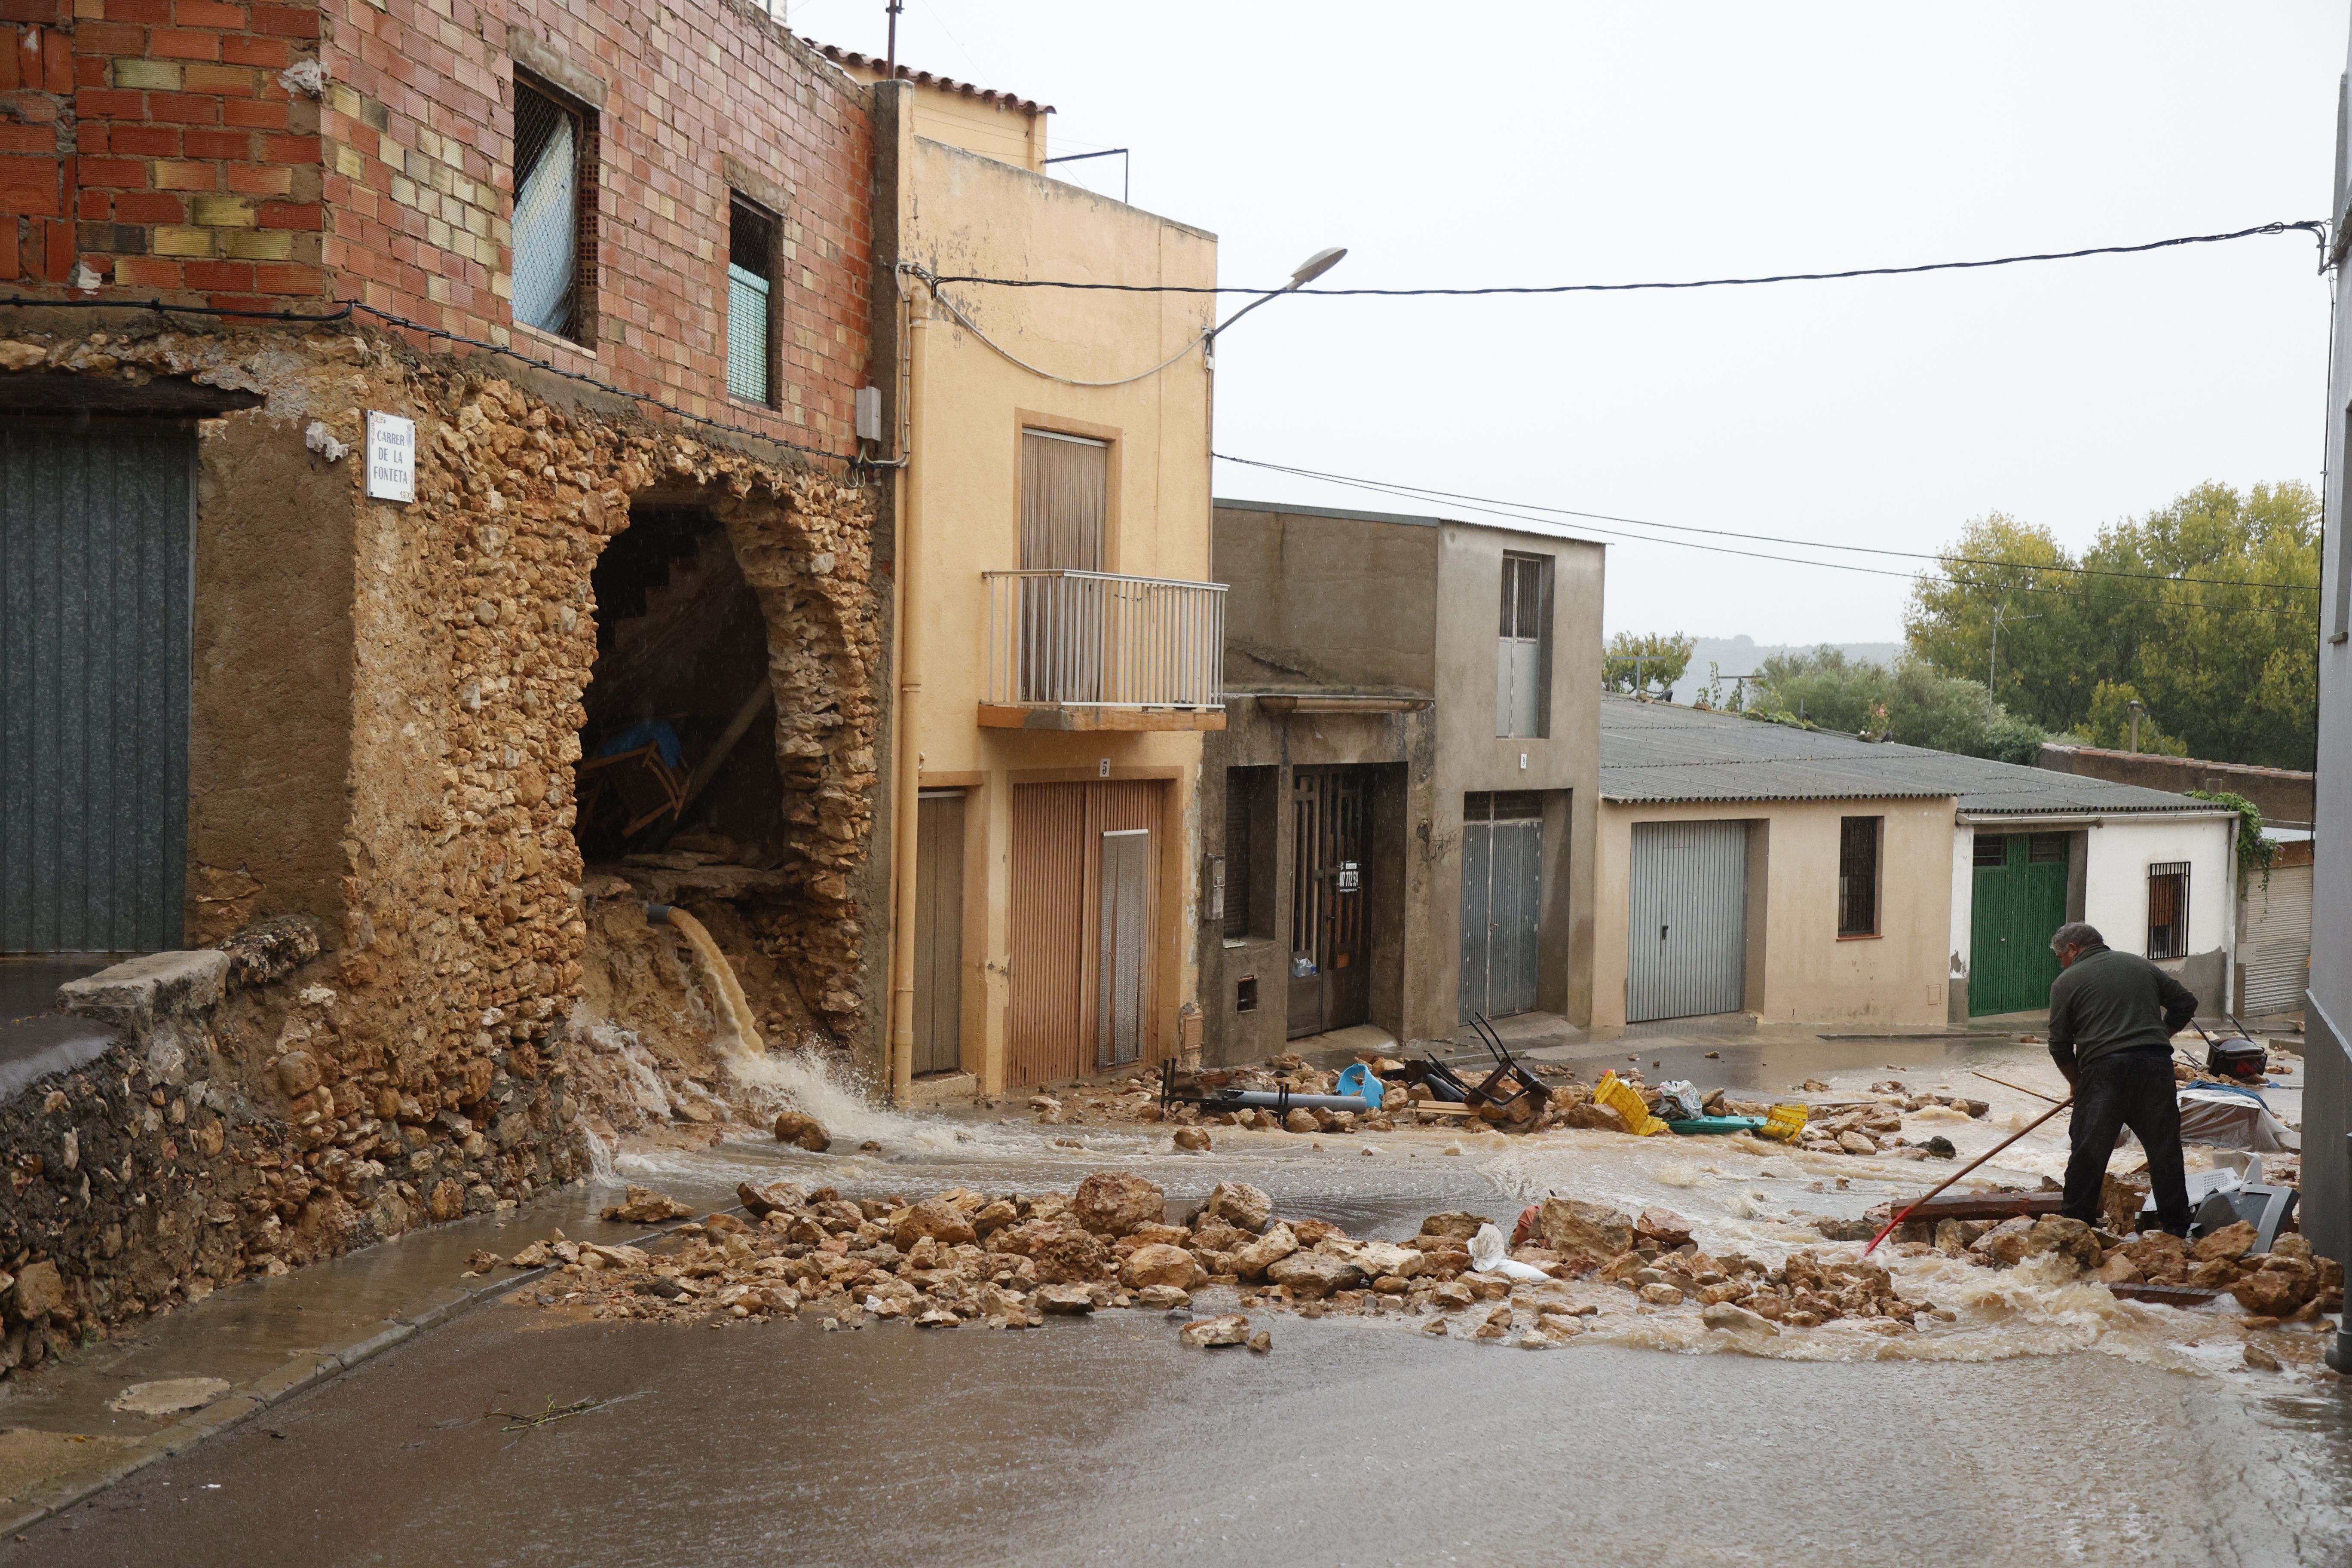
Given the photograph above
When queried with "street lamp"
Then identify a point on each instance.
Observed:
(1305, 272)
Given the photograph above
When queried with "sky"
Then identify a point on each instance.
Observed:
(1580, 143)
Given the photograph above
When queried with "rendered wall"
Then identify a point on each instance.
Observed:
(1808, 973)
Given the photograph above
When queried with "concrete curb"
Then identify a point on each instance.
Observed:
(303, 1371)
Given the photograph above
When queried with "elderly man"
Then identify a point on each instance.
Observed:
(2112, 1019)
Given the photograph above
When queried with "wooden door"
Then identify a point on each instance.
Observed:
(939, 931)
(1056, 1023)
(1330, 858)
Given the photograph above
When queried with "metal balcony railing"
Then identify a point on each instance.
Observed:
(1090, 639)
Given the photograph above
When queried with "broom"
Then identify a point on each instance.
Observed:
(1964, 1170)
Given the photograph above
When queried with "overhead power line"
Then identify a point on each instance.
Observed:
(1941, 557)
(1508, 511)
(2312, 226)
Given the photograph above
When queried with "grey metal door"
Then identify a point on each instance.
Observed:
(2274, 940)
(1126, 943)
(939, 931)
(1502, 902)
(1687, 920)
(97, 548)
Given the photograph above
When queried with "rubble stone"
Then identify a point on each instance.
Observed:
(1252, 1261)
(1584, 1233)
(1730, 1318)
(1191, 1140)
(1226, 1328)
(1163, 1298)
(643, 1206)
(2069, 1238)
(1066, 1300)
(941, 1222)
(1113, 1202)
(1661, 1295)
(40, 1290)
(2232, 1241)
(1241, 1205)
(1158, 1264)
(1261, 1342)
(1590, 1117)
(803, 1131)
(1663, 1227)
(1315, 1274)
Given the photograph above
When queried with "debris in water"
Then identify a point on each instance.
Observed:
(802, 1131)
(643, 1206)
(525, 1423)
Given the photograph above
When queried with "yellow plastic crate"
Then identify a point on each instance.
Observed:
(1785, 1124)
(1622, 1097)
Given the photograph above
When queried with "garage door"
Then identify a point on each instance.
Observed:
(97, 529)
(1687, 920)
(2275, 936)
(1502, 902)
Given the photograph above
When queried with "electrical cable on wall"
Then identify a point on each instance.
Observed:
(932, 282)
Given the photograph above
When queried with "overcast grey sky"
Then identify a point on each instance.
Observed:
(1569, 143)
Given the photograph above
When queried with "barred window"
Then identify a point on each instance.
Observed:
(2168, 910)
(552, 266)
(750, 304)
(1858, 875)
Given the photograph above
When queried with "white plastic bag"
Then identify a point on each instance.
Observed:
(1486, 1258)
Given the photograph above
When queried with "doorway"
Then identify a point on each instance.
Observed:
(939, 931)
(1331, 858)
(97, 550)
(2018, 900)
(1084, 917)
(1502, 902)
(1687, 920)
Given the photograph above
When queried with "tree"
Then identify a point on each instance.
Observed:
(1910, 703)
(1662, 656)
(2109, 723)
(2207, 610)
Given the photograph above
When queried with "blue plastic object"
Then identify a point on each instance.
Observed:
(1360, 1080)
(1706, 1124)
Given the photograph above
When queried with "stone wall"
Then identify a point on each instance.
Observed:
(414, 1068)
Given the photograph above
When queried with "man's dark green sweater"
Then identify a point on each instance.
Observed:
(2107, 1002)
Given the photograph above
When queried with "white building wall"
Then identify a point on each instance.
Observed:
(2115, 887)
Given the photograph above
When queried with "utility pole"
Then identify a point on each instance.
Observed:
(2136, 710)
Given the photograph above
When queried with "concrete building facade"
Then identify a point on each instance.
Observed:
(2327, 1023)
(1399, 826)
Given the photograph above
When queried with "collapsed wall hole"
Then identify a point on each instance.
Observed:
(678, 748)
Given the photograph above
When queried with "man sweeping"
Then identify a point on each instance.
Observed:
(2112, 1019)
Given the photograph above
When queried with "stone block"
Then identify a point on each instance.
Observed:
(140, 993)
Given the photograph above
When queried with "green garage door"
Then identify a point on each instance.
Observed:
(2020, 900)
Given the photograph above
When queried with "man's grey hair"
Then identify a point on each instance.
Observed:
(2075, 934)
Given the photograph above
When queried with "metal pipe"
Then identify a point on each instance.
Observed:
(906, 757)
(1964, 1170)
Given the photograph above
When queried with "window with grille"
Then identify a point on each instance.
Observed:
(554, 275)
(1249, 848)
(1521, 666)
(750, 280)
(2168, 910)
(1992, 851)
(1858, 875)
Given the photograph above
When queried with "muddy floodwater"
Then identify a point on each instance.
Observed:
(2045, 1423)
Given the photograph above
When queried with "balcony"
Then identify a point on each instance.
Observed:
(1088, 650)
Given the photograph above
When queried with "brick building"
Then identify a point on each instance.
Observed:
(414, 766)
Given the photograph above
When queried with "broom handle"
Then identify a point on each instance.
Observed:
(1964, 1170)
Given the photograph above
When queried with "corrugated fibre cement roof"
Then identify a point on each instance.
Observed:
(1655, 752)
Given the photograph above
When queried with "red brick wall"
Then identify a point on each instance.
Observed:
(152, 140)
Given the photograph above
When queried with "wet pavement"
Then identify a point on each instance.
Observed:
(2049, 1424)
(1102, 1439)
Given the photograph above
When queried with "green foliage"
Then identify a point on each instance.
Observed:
(1663, 656)
(2254, 851)
(2109, 723)
(1910, 703)
(2223, 677)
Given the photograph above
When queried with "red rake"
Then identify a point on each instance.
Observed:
(1964, 1170)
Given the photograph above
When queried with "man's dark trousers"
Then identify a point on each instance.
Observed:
(2133, 1090)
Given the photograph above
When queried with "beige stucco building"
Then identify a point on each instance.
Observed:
(1799, 875)
(1057, 633)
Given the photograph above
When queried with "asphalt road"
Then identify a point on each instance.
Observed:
(1103, 1440)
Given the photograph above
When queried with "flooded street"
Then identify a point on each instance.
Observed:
(2046, 1423)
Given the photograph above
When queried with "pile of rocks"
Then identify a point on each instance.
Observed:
(1009, 1260)
(2288, 1282)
